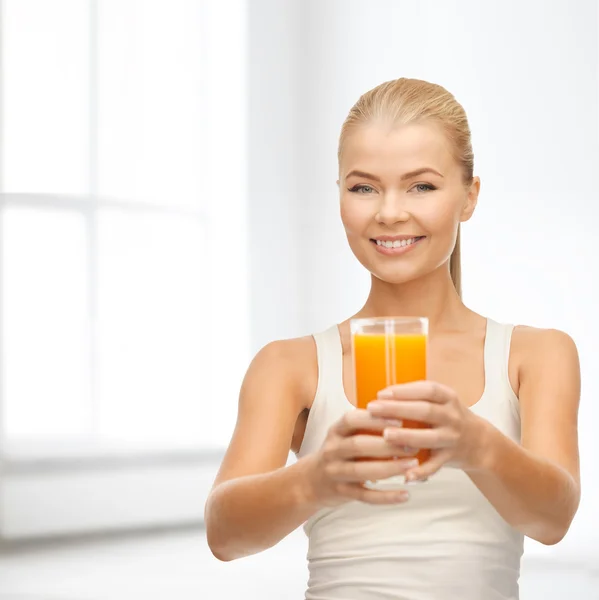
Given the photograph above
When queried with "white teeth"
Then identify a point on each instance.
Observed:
(396, 243)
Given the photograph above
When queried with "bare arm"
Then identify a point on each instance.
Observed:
(255, 500)
(254, 512)
(536, 486)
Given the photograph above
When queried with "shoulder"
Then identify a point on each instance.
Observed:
(287, 354)
(546, 351)
(535, 341)
(291, 362)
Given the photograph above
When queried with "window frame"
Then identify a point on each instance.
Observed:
(27, 477)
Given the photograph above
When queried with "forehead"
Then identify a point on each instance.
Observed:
(380, 149)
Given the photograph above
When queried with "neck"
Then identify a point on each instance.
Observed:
(433, 296)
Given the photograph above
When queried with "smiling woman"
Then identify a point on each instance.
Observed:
(501, 401)
(428, 183)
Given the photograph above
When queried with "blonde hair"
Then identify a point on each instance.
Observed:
(406, 101)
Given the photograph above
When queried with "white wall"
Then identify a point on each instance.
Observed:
(275, 96)
(527, 74)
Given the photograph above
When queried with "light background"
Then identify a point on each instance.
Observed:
(193, 145)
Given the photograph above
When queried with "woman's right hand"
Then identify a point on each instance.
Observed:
(336, 474)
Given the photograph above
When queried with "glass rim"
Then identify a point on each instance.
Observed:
(383, 321)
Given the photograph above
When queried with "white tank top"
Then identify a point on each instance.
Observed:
(447, 542)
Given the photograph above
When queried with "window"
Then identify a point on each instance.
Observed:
(122, 148)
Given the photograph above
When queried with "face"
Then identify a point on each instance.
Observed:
(403, 197)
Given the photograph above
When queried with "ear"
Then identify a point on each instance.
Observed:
(471, 200)
(337, 183)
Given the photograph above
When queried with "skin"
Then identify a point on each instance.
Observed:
(256, 500)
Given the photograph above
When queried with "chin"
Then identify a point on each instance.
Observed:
(395, 278)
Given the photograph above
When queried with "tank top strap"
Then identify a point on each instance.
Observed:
(329, 402)
(496, 359)
(329, 354)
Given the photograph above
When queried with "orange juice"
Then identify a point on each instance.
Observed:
(381, 360)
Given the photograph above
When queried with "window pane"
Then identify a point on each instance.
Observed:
(149, 100)
(151, 352)
(45, 324)
(45, 83)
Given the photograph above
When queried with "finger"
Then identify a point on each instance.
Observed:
(360, 419)
(428, 468)
(358, 471)
(414, 410)
(419, 390)
(418, 438)
(356, 491)
(371, 446)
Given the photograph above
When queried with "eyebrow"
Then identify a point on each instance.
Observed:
(405, 176)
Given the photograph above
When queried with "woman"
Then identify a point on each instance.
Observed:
(502, 401)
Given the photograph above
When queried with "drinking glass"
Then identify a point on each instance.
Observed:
(388, 351)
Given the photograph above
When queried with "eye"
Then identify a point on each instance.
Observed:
(362, 189)
(424, 187)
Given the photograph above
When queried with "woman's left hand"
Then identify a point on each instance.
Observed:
(455, 432)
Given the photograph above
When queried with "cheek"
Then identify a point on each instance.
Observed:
(440, 218)
(355, 216)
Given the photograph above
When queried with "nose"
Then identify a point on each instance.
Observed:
(391, 210)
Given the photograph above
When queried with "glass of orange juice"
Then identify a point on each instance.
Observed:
(387, 351)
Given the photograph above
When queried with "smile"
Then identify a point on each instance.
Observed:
(396, 247)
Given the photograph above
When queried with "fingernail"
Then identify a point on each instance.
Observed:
(412, 478)
(401, 496)
(389, 433)
(394, 422)
(378, 408)
(385, 394)
(409, 464)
